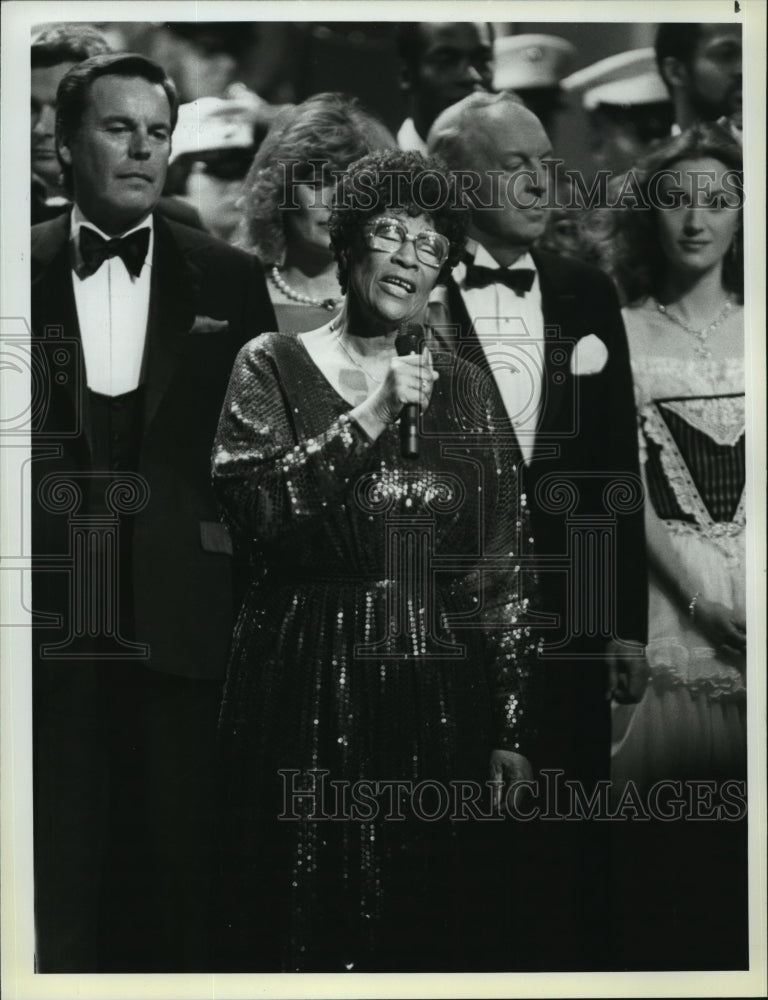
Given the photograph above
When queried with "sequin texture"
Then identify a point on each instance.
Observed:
(384, 636)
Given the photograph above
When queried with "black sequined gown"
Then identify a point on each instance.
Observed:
(382, 639)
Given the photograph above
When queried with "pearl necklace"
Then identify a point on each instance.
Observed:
(308, 300)
(701, 335)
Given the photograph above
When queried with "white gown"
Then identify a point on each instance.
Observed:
(691, 722)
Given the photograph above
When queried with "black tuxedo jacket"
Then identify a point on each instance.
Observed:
(206, 300)
(586, 436)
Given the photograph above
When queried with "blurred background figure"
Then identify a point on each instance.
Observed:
(208, 59)
(287, 202)
(213, 148)
(56, 48)
(201, 57)
(627, 106)
(564, 232)
(701, 66)
(440, 63)
(533, 66)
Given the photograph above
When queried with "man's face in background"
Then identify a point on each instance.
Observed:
(714, 73)
(456, 60)
(45, 163)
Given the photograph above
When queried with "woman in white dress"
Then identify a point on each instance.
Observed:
(680, 266)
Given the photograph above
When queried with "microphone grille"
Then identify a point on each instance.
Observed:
(410, 338)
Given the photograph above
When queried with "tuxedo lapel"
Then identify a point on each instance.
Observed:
(171, 314)
(557, 305)
(55, 325)
(465, 341)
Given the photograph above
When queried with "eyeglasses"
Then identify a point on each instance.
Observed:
(389, 235)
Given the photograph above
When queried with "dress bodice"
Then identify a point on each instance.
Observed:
(692, 427)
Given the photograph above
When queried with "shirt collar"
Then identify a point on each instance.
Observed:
(482, 258)
(409, 139)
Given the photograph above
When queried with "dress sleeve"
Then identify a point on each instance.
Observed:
(508, 588)
(268, 480)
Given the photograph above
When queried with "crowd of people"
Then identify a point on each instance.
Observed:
(394, 484)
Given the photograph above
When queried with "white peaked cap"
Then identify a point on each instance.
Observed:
(530, 61)
(626, 79)
(212, 123)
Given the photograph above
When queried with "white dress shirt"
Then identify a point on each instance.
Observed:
(510, 328)
(409, 139)
(112, 311)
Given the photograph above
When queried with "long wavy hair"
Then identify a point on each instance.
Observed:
(312, 140)
(626, 239)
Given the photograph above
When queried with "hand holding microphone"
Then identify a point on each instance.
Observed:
(408, 344)
(406, 389)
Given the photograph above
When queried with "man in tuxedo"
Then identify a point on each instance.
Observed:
(136, 321)
(548, 331)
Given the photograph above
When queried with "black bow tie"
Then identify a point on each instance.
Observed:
(94, 250)
(519, 279)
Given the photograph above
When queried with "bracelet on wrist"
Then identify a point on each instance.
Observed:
(692, 604)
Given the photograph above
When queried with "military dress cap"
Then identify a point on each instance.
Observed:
(531, 61)
(627, 79)
(213, 123)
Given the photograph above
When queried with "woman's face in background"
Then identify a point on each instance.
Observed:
(306, 226)
(699, 213)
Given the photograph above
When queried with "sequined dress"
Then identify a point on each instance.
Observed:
(691, 721)
(383, 639)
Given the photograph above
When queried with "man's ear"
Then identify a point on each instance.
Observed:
(674, 72)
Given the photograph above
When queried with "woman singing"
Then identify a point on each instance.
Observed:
(681, 268)
(287, 202)
(381, 654)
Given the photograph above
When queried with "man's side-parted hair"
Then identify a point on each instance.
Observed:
(64, 43)
(367, 188)
(74, 89)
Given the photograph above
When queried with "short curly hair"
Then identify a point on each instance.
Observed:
(423, 185)
(626, 239)
(319, 137)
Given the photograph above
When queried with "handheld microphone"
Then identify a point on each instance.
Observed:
(409, 340)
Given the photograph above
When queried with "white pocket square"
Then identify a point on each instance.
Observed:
(206, 324)
(589, 356)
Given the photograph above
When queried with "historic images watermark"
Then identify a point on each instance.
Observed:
(315, 796)
(550, 186)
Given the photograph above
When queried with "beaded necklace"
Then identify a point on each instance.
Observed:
(308, 300)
